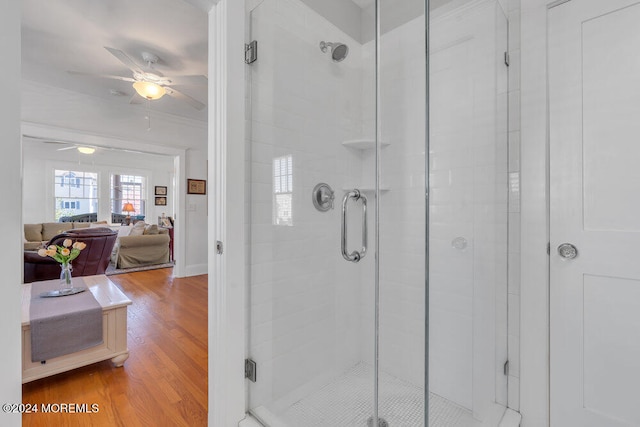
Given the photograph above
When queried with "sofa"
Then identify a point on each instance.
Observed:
(141, 245)
(93, 259)
(37, 235)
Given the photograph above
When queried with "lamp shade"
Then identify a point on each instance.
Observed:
(149, 90)
(128, 207)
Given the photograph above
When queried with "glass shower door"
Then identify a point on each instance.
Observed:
(311, 145)
(468, 213)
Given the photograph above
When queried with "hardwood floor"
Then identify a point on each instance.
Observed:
(164, 381)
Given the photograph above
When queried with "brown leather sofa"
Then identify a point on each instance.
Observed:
(92, 260)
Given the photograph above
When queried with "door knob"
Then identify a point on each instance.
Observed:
(567, 251)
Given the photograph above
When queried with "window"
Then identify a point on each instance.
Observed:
(71, 188)
(70, 179)
(283, 190)
(128, 189)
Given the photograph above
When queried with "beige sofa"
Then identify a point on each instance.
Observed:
(36, 235)
(152, 247)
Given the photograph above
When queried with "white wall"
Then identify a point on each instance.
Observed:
(345, 15)
(534, 291)
(226, 167)
(113, 117)
(196, 214)
(90, 117)
(11, 224)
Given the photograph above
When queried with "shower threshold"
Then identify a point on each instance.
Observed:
(381, 422)
(347, 401)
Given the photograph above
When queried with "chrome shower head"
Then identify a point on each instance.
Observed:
(339, 51)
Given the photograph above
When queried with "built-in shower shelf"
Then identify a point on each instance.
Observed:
(363, 144)
(368, 189)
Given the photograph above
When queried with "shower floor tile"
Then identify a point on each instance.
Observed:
(347, 401)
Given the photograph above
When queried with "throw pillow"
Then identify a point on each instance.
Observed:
(124, 230)
(33, 232)
(51, 229)
(151, 229)
(137, 229)
(98, 225)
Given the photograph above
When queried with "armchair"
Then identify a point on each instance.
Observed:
(92, 260)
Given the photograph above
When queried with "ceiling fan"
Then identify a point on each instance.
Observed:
(151, 84)
(83, 148)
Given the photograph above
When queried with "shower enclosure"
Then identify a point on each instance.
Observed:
(377, 248)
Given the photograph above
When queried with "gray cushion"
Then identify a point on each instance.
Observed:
(138, 229)
(151, 229)
(33, 232)
(50, 229)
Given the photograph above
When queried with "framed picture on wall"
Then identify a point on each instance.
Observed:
(161, 201)
(196, 186)
(161, 191)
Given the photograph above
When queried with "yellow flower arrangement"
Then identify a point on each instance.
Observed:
(63, 254)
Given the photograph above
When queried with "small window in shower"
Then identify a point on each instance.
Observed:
(283, 190)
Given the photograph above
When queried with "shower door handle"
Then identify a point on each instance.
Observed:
(354, 256)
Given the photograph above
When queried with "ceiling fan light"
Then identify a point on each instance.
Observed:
(86, 150)
(149, 90)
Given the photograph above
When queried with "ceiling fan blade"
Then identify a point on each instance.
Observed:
(50, 141)
(136, 99)
(66, 148)
(186, 98)
(195, 80)
(102, 76)
(122, 57)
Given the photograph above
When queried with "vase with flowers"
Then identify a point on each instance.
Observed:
(64, 255)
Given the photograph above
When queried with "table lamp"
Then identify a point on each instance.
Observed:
(128, 208)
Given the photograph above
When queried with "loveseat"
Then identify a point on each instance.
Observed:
(37, 235)
(141, 245)
(93, 259)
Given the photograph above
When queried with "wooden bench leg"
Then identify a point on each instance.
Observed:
(118, 361)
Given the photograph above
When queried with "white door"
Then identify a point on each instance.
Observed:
(594, 101)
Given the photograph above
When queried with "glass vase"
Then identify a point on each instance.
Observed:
(65, 276)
